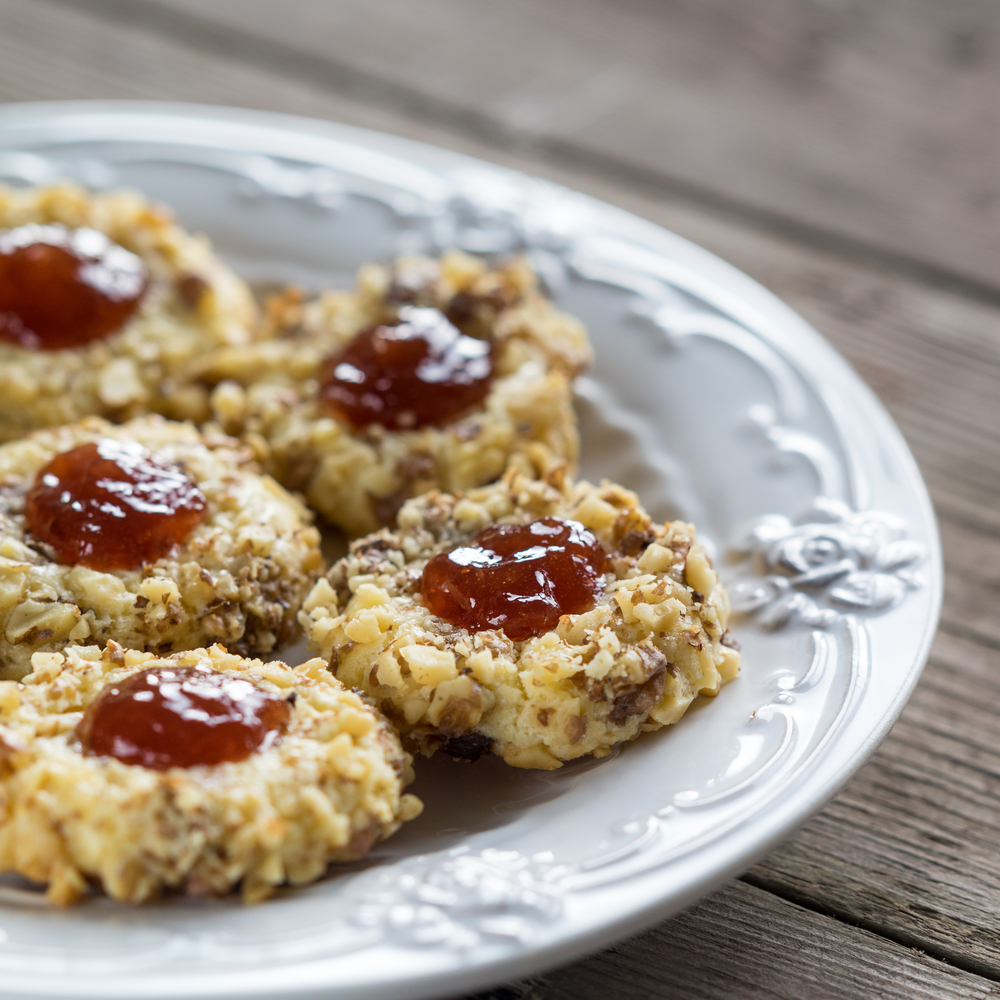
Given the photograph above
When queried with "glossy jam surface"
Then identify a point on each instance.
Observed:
(62, 288)
(421, 371)
(112, 505)
(163, 718)
(518, 578)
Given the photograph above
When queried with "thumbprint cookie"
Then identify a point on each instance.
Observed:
(150, 534)
(542, 620)
(432, 373)
(105, 302)
(197, 773)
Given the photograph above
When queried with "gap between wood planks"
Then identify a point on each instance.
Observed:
(736, 926)
(851, 919)
(241, 45)
(918, 822)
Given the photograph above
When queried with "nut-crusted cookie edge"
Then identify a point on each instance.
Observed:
(326, 791)
(654, 641)
(194, 302)
(239, 578)
(358, 480)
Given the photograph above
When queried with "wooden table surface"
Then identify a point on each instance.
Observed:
(845, 154)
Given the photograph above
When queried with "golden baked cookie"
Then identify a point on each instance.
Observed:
(653, 639)
(236, 572)
(356, 466)
(58, 271)
(321, 783)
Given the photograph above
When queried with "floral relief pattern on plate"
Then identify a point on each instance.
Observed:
(855, 561)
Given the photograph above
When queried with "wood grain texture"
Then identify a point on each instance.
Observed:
(877, 122)
(909, 850)
(52, 52)
(744, 943)
(910, 847)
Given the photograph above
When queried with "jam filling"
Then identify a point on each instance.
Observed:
(518, 578)
(417, 372)
(62, 288)
(112, 505)
(183, 717)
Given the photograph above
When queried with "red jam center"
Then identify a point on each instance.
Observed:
(164, 718)
(63, 288)
(112, 505)
(518, 578)
(420, 371)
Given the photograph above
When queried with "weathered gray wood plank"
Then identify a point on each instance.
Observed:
(972, 584)
(878, 122)
(744, 944)
(910, 846)
(51, 52)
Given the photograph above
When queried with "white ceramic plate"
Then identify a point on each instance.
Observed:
(709, 397)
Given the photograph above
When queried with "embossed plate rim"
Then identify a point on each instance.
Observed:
(625, 903)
